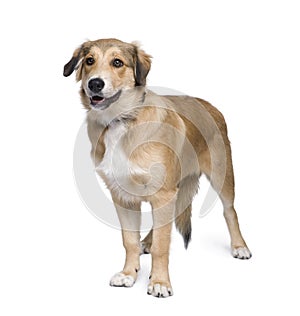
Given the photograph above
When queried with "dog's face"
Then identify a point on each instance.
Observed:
(107, 67)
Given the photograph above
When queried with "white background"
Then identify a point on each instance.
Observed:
(55, 257)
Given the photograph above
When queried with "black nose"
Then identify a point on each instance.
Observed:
(96, 85)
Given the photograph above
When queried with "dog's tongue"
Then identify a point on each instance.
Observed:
(96, 100)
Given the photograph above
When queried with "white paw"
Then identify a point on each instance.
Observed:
(159, 290)
(121, 279)
(241, 253)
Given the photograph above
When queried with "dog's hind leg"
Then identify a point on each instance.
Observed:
(239, 248)
(130, 219)
(146, 243)
(222, 180)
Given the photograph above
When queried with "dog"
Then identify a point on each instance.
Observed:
(151, 148)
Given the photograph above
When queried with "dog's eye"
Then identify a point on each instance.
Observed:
(117, 63)
(90, 60)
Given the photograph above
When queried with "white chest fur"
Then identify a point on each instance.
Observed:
(112, 164)
(116, 167)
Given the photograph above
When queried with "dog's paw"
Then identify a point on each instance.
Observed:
(121, 279)
(159, 290)
(241, 253)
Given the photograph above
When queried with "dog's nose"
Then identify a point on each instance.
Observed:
(96, 85)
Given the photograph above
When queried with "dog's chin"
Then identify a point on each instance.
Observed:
(99, 102)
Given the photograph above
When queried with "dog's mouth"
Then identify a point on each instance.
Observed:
(101, 103)
(96, 99)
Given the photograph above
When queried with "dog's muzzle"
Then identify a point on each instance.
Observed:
(97, 98)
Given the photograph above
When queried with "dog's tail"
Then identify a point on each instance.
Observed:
(184, 225)
(188, 187)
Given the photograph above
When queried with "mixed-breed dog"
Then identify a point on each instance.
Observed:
(151, 148)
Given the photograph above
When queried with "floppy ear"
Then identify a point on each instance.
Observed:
(73, 63)
(142, 66)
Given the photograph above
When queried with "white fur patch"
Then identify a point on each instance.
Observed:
(159, 290)
(117, 168)
(241, 253)
(120, 279)
(114, 158)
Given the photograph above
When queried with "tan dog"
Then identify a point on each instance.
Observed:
(151, 148)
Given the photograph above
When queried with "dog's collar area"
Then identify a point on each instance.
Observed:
(124, 119)
(143, 97)
(130, 116)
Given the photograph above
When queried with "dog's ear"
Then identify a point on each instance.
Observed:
(142, 66)
(73, 64)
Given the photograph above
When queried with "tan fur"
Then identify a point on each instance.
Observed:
(153, 148)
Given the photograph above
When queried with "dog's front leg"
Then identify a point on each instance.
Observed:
(163, 216)
(130, 220)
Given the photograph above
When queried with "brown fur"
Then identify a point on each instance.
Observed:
(168, 142)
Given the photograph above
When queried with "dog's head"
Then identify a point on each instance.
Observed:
(107, 67)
